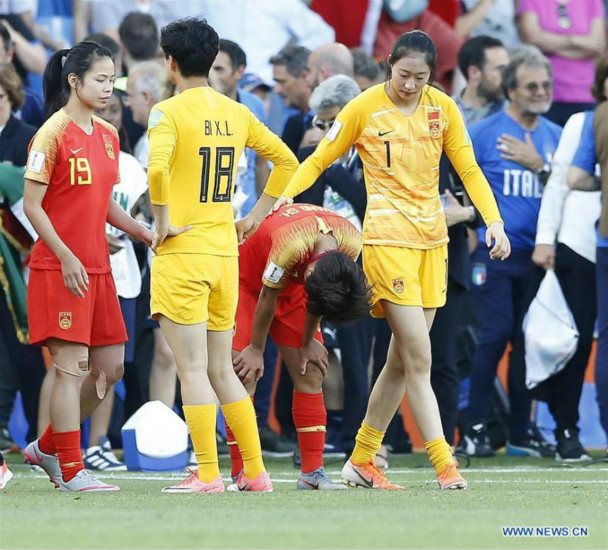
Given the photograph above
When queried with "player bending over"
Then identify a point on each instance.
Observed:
(298, 267)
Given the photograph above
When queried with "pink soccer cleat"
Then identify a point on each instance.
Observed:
(261, 484)
(192, 484)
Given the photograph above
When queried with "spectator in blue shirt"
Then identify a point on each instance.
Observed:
(513, 148)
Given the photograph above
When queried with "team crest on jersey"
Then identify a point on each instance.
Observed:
(398, 286)
(107, 140)
(110, 151)
(65, 320)
(434, 123)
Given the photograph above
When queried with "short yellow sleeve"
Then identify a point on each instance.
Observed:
(459, 149)
(162, 134)
(44, 149)
(341, 136)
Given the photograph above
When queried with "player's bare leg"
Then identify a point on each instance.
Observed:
(310, 420)
(78, 371)
(163, 371)
(410, 326)
(189, 345)
(239, 413)
(384, 400)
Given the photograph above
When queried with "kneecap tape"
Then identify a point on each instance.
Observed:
(105, 375)
(78, 367)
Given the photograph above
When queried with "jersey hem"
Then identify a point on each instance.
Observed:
(406, 244)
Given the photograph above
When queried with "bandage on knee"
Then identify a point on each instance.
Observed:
(106, 375)
(76, 367)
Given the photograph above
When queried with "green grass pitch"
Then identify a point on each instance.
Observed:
(503, 492)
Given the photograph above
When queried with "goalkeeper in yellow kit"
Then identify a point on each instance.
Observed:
(400, 129)
(196, 139)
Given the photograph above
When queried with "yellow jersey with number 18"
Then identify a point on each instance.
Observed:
(400, 155)
(196, 139)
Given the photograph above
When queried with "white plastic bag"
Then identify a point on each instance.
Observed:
(550, 333)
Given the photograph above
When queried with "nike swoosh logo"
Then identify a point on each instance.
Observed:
(380, 134)
(368, 482)
(314, 486)
(76, 151)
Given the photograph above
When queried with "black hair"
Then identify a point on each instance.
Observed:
(364, 64)
(6, 37)
(338, 290)
(125, 145)
(601, 74)
(139, 34)
(234, 52)
(414, 41)
(106, 41)
(294, 58)
(77, 60)
(192, 43)
(473, 52)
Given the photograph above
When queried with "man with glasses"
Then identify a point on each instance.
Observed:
(514, 148)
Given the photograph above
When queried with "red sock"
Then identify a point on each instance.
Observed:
(235, 454)
(68, 452)
(47, 441)
(310, 419)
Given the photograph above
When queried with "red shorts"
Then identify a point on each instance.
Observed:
(287, 326)
(54, 312)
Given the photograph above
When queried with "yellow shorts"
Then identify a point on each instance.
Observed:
(406, 276)
(194, 288)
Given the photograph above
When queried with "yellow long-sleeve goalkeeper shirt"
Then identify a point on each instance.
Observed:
(400, 155)
(196, 139)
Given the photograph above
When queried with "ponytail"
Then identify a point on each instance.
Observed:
(76, 60)
(56, 89)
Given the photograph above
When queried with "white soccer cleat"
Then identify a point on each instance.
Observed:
(86, 481)
(5, 475)
(49, 463)
(368, 476)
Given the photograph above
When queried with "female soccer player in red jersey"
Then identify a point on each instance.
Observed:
(400, 129)
(72, 304)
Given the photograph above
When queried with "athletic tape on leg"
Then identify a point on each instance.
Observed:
(76, 367)
(106, 375)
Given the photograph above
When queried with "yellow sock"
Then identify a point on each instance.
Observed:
(201, 423)
(240, 416)
(440, 453)
(368, 442)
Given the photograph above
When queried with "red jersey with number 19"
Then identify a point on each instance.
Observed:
(80, 171)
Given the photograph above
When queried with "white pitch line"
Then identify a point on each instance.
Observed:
(176, 477)
(409, 471)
